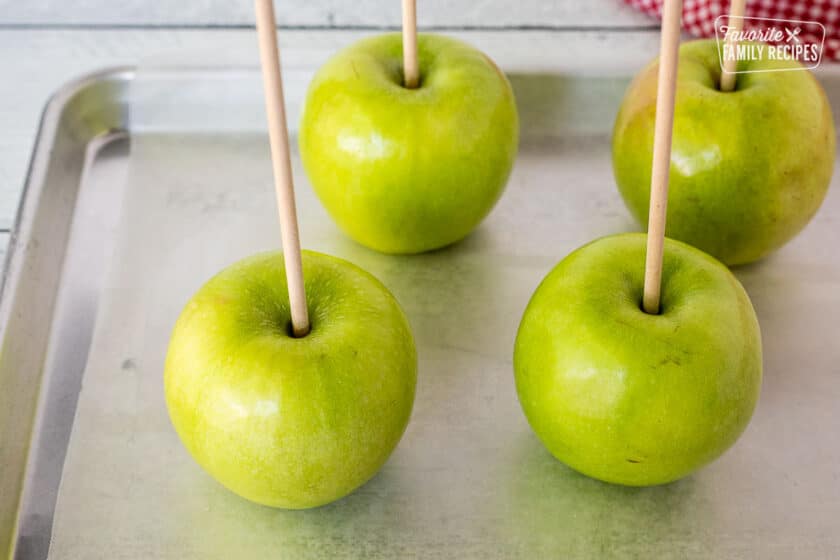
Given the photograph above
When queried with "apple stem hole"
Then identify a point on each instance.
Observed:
(416, 85)
(643, 310)
(290, 330)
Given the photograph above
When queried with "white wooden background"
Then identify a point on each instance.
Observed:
(46, 43)
(324, 13)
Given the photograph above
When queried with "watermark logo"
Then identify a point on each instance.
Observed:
(751, 39)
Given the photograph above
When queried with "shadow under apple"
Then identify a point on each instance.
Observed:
(551, 511)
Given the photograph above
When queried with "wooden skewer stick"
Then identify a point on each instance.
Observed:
(281, 163)
(666, 92)
(411, 70)
(735, 23)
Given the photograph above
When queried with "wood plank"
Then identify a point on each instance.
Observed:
(54, 57)
(377, 13)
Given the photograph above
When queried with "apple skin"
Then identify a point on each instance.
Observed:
(291, 422)
(409, 170)
(749, 168)
(629, 397)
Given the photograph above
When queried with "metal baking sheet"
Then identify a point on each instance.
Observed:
(54, 270)
(469, 479)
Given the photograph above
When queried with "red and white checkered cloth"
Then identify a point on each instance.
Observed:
(699, 17)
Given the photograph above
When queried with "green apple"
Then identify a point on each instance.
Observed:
(629, 397)
(283, 421)
(409, 170)
(749, 168)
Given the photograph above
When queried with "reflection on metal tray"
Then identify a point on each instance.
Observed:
(469, 479)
